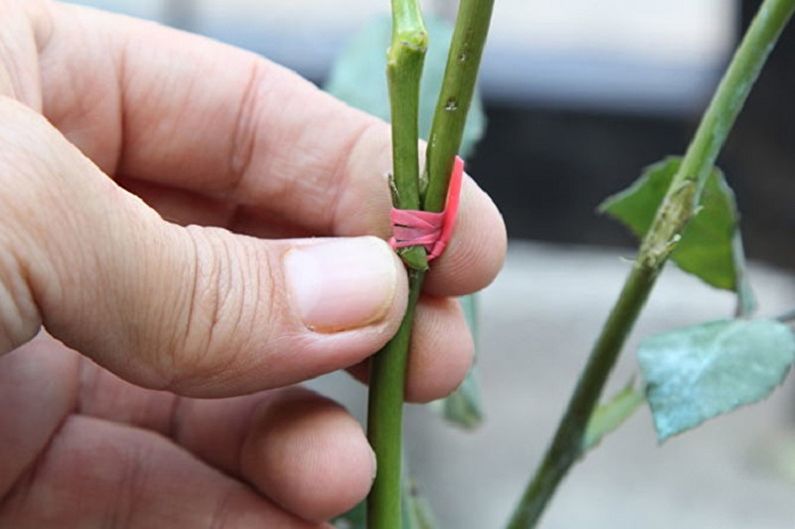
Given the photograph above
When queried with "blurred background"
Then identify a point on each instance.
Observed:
(579, 96)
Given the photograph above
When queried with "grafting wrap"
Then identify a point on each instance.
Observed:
(425, 228)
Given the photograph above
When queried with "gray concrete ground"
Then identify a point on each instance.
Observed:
(538, 321)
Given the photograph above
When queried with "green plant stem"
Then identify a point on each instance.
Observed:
(388, 371)
(455, 97)
(678, 206)
(404, 70)
(385, 418)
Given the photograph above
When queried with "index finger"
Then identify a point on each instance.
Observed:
(184, 112)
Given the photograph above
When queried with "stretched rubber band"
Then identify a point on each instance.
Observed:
(425, 228)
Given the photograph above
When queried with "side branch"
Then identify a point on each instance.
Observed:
(449, 118)
(676, 209)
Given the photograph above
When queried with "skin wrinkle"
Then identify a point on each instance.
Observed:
(41, 19)
(222, 315)
(277, 149)
(371, 209)
(121, 71)
(222, 510)
(89, 99)
(246, 129)
(217, 277)
(135, 94)
(342, 171)
(105, 396)
(23, 486)
(23, 318)
(131, 479)
(20, 245)
(88, 380)
(262, 264)
(206, 281)
(194, 273)
(9, 56)
(175, 424)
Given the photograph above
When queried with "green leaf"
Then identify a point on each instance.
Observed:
(699, 372)
(746, 300)
(612, 414)
(710, 247)
(464, 407)
(421, 515)
(356, 518)
(415, 510)
(358, 77)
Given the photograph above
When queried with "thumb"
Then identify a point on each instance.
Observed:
(199, 311)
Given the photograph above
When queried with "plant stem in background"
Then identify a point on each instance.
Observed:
(404, 68)
(678, 206)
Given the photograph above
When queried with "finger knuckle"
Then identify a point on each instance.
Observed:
(219, 308)
(23, 166)
(19, 315)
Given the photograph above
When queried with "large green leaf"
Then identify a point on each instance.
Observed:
(358, 77)
(612, 414)
(415, 511)
(710, 247)
(696, 373)
(464, 406)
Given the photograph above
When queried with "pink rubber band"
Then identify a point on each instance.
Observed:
(424, 228)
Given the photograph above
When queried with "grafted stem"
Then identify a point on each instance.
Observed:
(404, 68)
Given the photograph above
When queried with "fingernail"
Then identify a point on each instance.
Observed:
(341, 284)
(375, 465)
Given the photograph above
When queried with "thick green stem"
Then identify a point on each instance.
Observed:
(460, 76)
(677, 208)
(384, 422)
(388, 372)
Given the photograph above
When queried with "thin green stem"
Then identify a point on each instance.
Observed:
(759, 40)
(677, 208)
(388, 371)
(404, 70)
(568, 443)
(460, 76)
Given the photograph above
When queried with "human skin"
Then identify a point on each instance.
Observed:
(160, 297)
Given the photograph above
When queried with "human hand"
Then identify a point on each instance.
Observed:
(170, 304)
